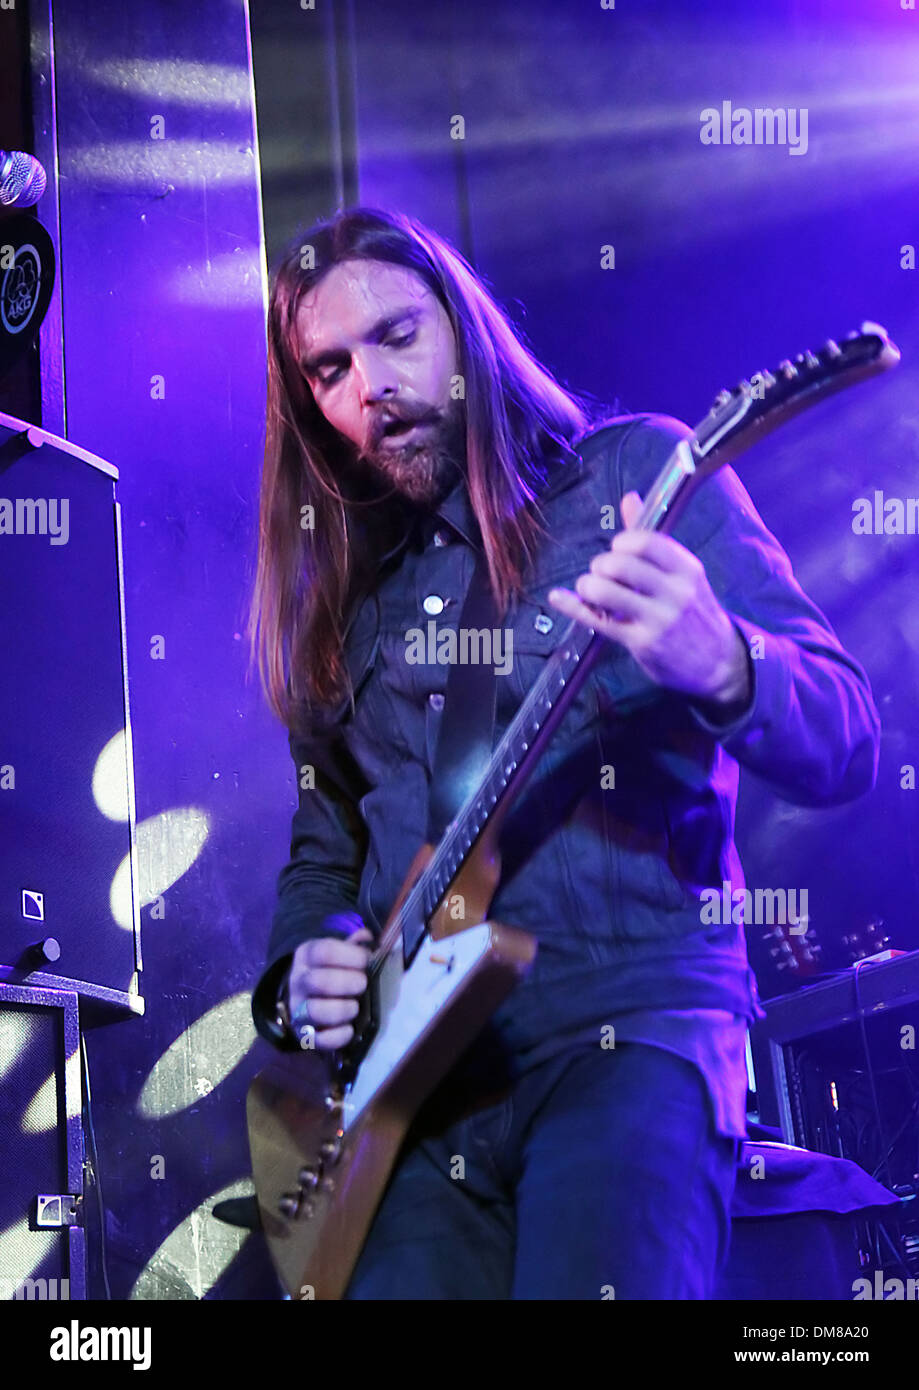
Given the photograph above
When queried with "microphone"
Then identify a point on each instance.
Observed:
(22, 179)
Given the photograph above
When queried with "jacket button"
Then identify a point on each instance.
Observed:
(433, 604)
(436, 700)
(441, 538)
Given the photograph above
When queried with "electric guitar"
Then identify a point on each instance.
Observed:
(325, 1129)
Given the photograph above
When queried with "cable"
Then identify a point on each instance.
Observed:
(885, 1161)
(94, 1157)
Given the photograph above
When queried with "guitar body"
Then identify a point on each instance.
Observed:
(321, 1155)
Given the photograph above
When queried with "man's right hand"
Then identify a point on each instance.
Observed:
(327, 975)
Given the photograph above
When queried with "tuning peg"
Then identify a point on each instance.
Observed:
(832, 348)
(722, 398)
(810, 360)
(788, 370)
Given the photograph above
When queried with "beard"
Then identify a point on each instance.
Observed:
(423, 470)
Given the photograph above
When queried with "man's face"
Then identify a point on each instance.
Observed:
(379, 352)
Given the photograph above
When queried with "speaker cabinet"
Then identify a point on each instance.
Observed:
(68, 880)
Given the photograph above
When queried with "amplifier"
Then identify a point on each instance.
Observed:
(837, 1066)
(42, 1244)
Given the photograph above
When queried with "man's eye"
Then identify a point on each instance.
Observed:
(398, 342)
(332, 377)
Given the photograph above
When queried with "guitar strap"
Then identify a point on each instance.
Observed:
(464, 744)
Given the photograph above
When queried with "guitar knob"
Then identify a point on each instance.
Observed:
(330, 1150)
(308, 1178)
(289, 1205)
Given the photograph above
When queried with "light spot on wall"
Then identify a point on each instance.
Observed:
(167, 846)
(200, 1058)
(195, 1254)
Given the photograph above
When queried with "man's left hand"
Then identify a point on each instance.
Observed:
(652, 594)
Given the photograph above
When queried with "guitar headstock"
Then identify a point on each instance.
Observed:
(869, 940)
(794, 947)
(754, 408)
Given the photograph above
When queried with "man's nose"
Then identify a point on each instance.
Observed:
(376, 376)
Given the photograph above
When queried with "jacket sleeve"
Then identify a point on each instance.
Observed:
(317, 889)
(811, 728)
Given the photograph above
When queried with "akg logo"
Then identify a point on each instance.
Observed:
(19, 291)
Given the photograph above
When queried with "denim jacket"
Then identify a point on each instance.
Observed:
(608, 878)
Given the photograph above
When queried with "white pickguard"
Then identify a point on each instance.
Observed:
(409, 1002)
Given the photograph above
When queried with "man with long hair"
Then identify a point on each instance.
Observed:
(410, 431)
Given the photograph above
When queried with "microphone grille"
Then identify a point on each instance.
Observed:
(23, 182)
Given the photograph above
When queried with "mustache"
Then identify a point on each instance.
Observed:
(382, 424)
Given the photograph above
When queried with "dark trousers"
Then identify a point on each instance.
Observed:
(599, 1174)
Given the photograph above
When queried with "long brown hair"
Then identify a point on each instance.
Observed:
(515, 412)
